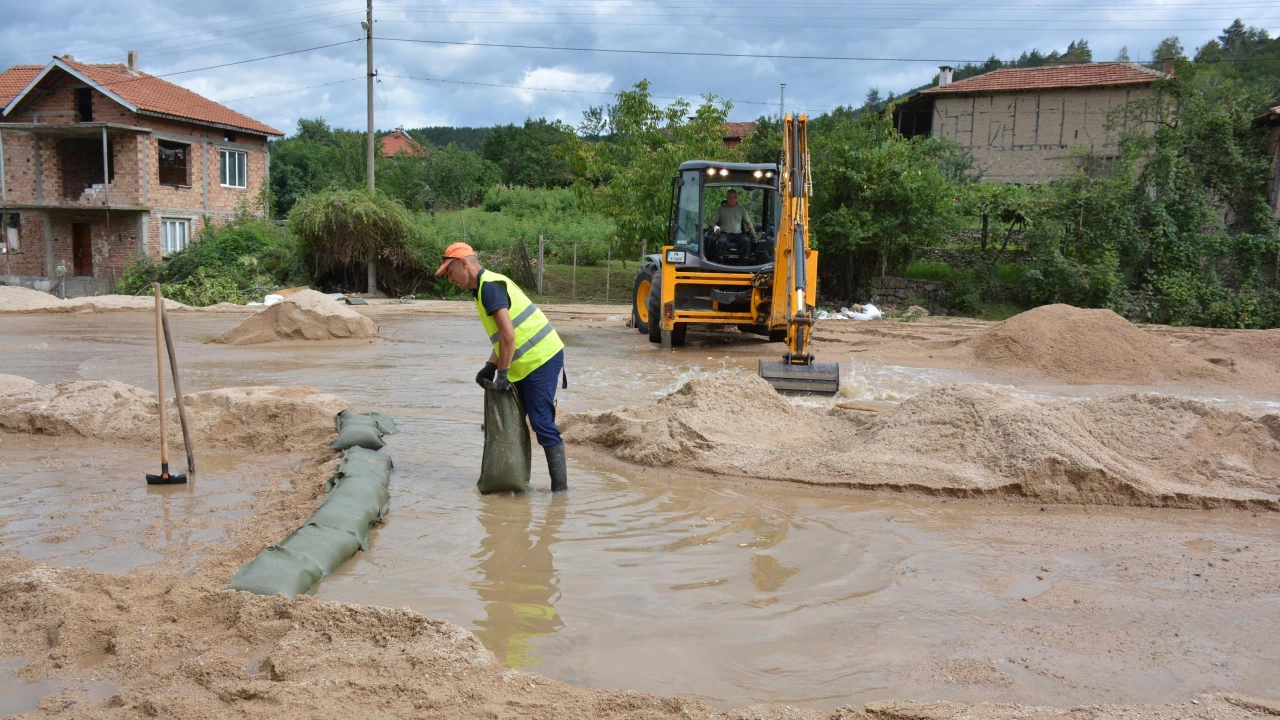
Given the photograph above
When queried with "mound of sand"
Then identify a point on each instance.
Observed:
(304, 315)
(1084, 347)
(968, 440)
(20, 299)
(252, 418)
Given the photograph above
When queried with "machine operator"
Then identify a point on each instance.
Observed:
(729, 221)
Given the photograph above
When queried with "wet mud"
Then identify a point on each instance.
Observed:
(727, 591)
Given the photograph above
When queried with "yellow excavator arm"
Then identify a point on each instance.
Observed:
(795, 273)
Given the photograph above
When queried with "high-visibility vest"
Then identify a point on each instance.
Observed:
(536, 341)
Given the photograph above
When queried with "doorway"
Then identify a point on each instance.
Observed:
(82, 249)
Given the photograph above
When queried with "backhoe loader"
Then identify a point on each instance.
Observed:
(764, 282)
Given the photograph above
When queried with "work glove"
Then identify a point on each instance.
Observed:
(717, 229)
(486, 373)
(500, 381)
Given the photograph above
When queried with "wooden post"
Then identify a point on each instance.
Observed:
(575, 271)
(608, 269)
(177, 387)
(542, 262)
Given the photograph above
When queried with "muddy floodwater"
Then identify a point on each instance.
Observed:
(730, 591)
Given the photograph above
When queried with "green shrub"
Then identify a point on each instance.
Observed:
(927, 270)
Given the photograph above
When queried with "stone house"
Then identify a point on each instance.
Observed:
(102, 164)
(1023, 124)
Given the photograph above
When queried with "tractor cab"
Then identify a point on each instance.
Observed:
(699, 189)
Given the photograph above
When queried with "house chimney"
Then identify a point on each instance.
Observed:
(133, 61)
(1166, 66)
(944, 75)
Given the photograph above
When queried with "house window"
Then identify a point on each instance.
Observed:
(235, 168)
(12, 232)
(84, 104)
(229, 136)
(173, 163)
(176, 232)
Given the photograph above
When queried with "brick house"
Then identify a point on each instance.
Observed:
(1022, 124)
(736, 132)
(398, 142)
(103, 164)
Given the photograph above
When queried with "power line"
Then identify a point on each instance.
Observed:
(292, 90)
(628, 4)
(825, 25)
(809, 18)
(244, 38)
(87, 46)
(568, 90)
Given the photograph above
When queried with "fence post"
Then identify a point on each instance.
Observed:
(644, 249)
(575, 270)
(608, 269)
(541, 262)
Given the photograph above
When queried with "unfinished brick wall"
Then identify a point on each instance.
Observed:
(113, 241)
(1029, 137)
(19, 166)
(29, 260)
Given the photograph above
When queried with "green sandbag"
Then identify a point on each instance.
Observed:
(326, 547)
(351, 435)
(358, 462)
(346, 513)
(382, 421)
(361, 456)
(277, 570)
(507, 462)
(365, 489)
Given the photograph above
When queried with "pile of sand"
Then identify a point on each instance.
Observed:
(249, 418)
(968, 440)
(304, 315)
(14, 298)
(1085, 347)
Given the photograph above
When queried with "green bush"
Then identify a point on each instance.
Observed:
(927, 270)
(236, 262)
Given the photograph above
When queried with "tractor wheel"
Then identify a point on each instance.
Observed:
(654, 302)
(640, 299)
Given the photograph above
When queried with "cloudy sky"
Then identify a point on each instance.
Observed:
(900, 43)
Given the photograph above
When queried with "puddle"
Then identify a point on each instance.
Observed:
(17, 696)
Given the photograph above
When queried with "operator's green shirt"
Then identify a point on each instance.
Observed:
(732, 219)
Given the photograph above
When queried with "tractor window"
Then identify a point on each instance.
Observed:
(758, 202)
(687, 209)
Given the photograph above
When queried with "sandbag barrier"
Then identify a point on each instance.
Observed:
(356, 497)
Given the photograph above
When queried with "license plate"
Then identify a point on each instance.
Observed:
(675, 257)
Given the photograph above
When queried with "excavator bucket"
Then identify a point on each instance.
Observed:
(814, 378)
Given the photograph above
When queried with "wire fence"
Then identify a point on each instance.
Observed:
(579, 270)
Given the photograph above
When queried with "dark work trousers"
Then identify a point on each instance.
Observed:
(741, 242)
(538, 394)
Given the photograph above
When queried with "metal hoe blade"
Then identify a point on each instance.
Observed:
(816, 378)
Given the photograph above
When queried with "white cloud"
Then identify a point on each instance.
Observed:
(559, 78)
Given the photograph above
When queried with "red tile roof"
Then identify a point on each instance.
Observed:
(400, 142)
(738, 129)
(1054, 76)
(151, 95)
(13, 80)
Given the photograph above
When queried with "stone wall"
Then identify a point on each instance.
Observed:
(896, 289)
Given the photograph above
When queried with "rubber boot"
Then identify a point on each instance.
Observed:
(557, 468)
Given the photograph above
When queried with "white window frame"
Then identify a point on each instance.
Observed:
(233, 168)
(171, 240)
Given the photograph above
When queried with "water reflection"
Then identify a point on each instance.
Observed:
(518, 580)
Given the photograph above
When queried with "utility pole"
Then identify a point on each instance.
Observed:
(370, 151)
(782, 103)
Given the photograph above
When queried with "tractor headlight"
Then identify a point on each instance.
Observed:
(711, 171)
(759, 174)
(724, 172)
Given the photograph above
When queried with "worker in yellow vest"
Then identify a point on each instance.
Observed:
(527, 353)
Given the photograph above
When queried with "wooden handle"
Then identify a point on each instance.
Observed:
(164, 439)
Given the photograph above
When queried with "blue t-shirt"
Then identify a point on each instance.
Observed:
(494, 297)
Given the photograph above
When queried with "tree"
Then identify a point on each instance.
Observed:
(1078, 52)
(875, 194)
(596, 124)
(873, 98)
(1170, 47)
(529, 155)
(456, 178)
(764, 142)
(1123, 55)
(627, 177)
(338, 229)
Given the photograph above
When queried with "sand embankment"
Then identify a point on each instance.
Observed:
(963, 440)
(242, 418)
(15, 299)
(304, 315)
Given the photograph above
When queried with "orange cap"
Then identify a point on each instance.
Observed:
(456, 251)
